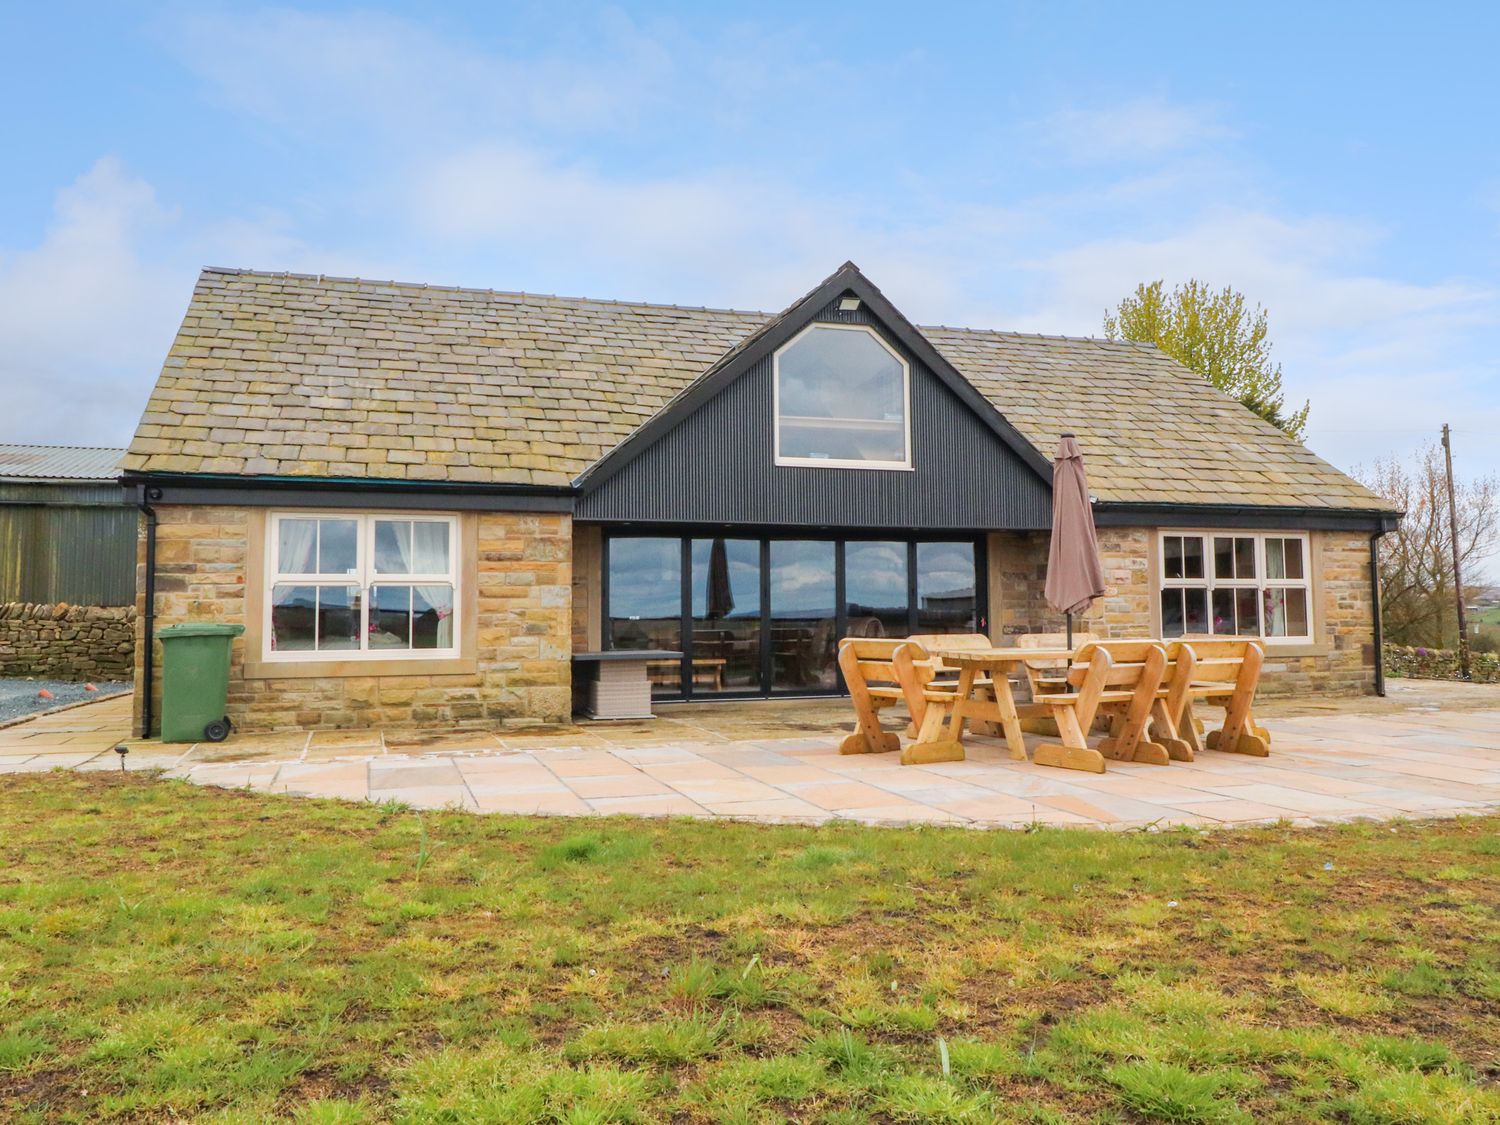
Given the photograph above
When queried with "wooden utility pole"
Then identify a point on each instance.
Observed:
(1458, 581)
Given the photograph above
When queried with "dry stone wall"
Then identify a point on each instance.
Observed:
(67, 642)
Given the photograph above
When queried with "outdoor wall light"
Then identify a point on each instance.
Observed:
(848, 304)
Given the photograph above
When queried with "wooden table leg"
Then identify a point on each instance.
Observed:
(1005, 702)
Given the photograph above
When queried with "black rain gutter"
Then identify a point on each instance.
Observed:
(349, 492)
(143, 495)
(1250, 517)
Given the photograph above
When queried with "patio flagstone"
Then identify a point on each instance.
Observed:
(1335, 765)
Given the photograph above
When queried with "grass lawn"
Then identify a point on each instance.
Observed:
(171, 952)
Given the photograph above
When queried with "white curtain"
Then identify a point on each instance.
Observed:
(440, 598)
(393, 546)
(298, 544)
(429, 548)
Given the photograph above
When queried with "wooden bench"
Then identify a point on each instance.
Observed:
(1119, 678)
(873, 682)
(1226, 671)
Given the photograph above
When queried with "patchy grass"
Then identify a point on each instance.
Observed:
(171, 952)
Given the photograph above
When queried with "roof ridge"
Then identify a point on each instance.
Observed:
(49, 445)
(1011, 332)
(236, 271)
(471, 289)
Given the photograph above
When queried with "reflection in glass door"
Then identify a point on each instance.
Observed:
(645, 604)
(726, 616)
(947, 594)
(764, 616)
(804, 622)
(875, 591)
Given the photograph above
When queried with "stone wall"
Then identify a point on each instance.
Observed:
(519, 670)
(1440, 664)
(1339, 660)
(67, 642)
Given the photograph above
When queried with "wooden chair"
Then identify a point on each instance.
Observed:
(1050, 675)
(1120, 678)
(920, 670)
(873, 684)
(1226, 671)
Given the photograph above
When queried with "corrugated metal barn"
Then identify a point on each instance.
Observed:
(67, 532)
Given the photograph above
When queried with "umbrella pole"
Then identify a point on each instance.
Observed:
(1070, 631)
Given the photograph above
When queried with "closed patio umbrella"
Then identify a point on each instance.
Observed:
(1075, 576)
(720, 594)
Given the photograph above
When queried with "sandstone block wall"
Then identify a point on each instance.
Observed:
(521, 600)
(67, 642)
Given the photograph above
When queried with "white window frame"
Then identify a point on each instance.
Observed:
(365, 577)
(1260, 583)
(834, 462)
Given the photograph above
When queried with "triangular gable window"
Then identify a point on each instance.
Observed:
(842, 400)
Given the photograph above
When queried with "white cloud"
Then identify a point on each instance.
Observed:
(86, 319)
(1135, 129)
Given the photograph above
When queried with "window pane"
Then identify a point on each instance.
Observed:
(338, 618)
(393, 547)
(1247, 603)
(945, 588)
(429, 544)
(1286, 613)
(297, 544)
(390, 616)
(1192, 556)
(432, 616)
(726, 615)
(1244, 557)
(294, 616)
(1171, 613)
(1275, 559)
(1223, 556)
(1223, 603)
(645, 603)
(802, 617)
(1171, 556)
(1195, 611)
(1293, 550)
(338, 546)
(875, 589)
(842, 396)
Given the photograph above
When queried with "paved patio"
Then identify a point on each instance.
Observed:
(1430, 750)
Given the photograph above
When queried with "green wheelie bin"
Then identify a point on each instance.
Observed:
(195, 681)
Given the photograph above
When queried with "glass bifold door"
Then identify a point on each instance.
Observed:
(764, 616)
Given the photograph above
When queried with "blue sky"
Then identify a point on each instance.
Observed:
(1013, 166)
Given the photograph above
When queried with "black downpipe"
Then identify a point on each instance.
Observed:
(1375, 604)
(148, 657)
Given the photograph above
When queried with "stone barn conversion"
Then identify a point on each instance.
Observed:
(422, 501)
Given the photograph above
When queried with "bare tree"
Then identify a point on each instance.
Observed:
(1416, 562)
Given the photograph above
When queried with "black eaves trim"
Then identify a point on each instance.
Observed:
(764, 341)
(1248, 517)
(346, 492)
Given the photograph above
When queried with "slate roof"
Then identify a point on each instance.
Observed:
(59, 462)
(304, 376)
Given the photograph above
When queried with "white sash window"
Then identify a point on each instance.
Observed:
(360, 586)
(1238, 584)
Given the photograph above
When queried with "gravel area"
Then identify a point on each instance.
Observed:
(19, 697)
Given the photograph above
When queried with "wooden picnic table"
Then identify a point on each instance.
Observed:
(940, 738)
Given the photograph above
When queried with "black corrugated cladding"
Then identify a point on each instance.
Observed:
(718, 466)
(71, 543)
